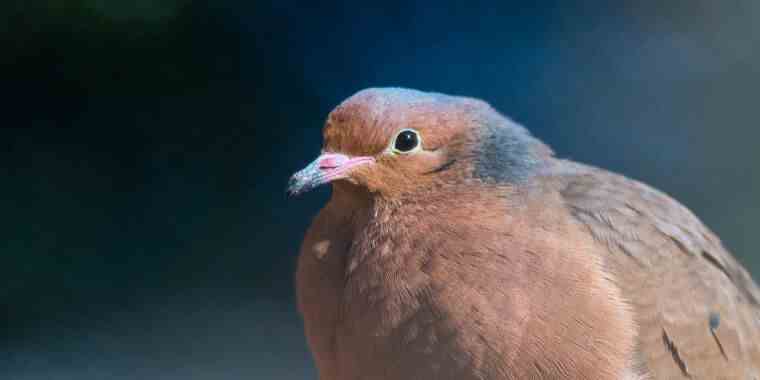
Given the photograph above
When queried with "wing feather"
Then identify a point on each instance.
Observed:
(697, 308)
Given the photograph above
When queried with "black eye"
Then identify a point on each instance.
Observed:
(406, 141)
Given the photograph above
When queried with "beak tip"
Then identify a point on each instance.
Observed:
(295, 187)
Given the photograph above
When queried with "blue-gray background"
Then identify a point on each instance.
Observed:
(145, 147)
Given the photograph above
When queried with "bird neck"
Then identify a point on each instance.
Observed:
(395, 240)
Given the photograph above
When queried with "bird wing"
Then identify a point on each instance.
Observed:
(697, 309)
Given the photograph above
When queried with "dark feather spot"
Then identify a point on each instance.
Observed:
(671, 346)
(714, 323)
(714, 320)
(714, 261)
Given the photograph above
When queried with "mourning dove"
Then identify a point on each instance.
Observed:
(456, 246)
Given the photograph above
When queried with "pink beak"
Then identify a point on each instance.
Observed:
(326, 168)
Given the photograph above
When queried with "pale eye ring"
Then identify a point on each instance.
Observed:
(406, 141)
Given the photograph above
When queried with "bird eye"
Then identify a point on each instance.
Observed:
(406, 141)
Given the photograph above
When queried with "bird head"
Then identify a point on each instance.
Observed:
(391, 141)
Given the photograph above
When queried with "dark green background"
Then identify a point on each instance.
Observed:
(145, 147)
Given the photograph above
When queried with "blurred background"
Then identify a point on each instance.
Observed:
(145, 146)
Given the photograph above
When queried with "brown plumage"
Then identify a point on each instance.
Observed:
(456, 246)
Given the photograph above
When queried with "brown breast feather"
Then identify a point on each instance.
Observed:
(493, 290)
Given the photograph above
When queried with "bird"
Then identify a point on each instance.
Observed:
(456, 245)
